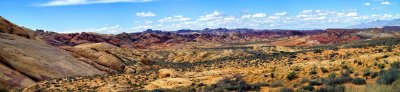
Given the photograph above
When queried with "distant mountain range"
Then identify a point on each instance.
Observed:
(377, 23)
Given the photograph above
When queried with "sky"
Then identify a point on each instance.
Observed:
(116, 16)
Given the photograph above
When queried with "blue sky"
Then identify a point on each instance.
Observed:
(116, 16)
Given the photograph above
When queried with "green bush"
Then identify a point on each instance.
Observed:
(337, 80)
(367, 73)
(349, 70)
(358, 81)
(297, 68)
(309, 88)
(259, 85)
(374, 75)
(381, 66)
(313, 71)
(395, 65)
(388, 76)
(332, 75)
(324, 70)
(315, 82)
(291, 76)
(344, 66)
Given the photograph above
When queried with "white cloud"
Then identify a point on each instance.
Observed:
(176, 18)
(212, 16)
(352, 14)
(85, 2)
(246, 16)
(280, 13)
(259, 15)
(278, 20)
(367, 4)
(386, 3)
(145, 14)
(107, 29)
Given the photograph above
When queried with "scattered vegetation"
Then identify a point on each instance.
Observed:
(358, 81)
(292, 75)
(324, 70)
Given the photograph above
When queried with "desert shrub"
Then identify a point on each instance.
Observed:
(374, 75)
(309, 87)
(313, 71)
(344, 66)
(356, 74)
(358, 62)
(388, 76)
(276, 84)
(367, 73)
(259, 85)
(358, 81)
(296, 68)
(381, 66)
(315, 82)
(337, 80)
(390, 49)
(291, 76)
(332, 75)
(231, 84)
(331, 88)
(380, 50)
(324, 70)
(286, 90)
(349, 70)
(395, 65)
(318, 51)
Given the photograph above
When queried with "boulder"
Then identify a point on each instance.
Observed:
(164, 73)
(145, 60)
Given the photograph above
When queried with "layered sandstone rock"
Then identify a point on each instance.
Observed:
(10, 78)
(24, 59)
(40, 61)
(98, 52)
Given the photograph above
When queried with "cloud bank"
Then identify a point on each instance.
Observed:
(318, 19)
